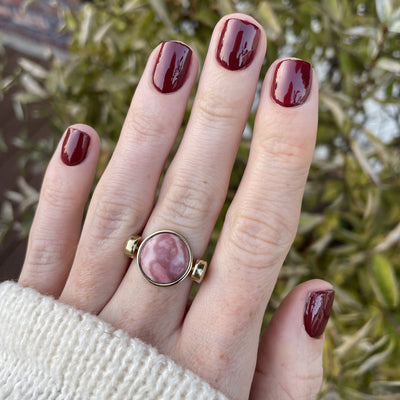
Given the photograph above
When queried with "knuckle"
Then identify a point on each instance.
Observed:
(214, 109)
(186, 201)
(183, 206)
(293, 151)
(57, 197)
(144, 126)
(109, 216)
(258, 241)
(306, 387)
(44, 253)
(41, 255)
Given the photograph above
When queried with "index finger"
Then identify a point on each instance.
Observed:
(259, 229)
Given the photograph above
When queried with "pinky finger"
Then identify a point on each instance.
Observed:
(289, 364)
(56, 227)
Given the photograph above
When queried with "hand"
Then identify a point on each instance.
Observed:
(217, 336)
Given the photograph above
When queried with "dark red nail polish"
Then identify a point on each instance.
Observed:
(171, 67)
(238, 44)
(317, 312)
(75, 146)
(291, 84)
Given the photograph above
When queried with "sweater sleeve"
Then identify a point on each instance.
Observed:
(51, 351)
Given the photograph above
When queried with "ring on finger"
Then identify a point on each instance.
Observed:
(165, 258)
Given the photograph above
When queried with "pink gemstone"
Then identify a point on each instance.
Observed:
(164, 258)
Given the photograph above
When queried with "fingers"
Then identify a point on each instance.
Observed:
(220, 344)
(55, 231)
(259, 227)
(195, 185)
(125, 194)
(289, 364)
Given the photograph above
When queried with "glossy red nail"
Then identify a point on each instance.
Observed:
(238, 44)
(291, 84)
(318, 308)
(171, 67)
(75, 146)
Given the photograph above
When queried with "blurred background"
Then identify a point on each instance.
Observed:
(63, 62)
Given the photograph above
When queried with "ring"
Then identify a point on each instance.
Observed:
(165, 258)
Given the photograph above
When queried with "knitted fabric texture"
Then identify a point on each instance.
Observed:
(51, 351)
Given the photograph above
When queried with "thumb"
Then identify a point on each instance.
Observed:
(289, 364)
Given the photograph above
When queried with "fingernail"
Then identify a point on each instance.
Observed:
(291, 84)
(238, 44)
(171, 67)
(318, 308)
(75, 146)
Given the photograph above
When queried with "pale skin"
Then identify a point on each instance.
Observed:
(217, 337)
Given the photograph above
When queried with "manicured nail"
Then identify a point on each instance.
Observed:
(238, 44)
(171, 67)
(75, 146)
(317, 312)
(291, 84)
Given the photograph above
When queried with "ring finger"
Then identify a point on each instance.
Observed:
(125, 194)
(195, 185)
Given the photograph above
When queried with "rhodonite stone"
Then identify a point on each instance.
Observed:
(164, 258)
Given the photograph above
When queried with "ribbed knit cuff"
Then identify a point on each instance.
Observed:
(51, 351)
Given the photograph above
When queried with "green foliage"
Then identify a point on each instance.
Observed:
(349, 231)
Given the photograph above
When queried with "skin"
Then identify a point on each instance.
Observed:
(218, 336)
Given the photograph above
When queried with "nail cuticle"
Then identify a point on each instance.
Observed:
(317, 311)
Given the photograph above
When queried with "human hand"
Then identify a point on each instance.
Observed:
(217, 336)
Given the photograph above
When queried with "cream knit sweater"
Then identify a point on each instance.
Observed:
(51, 351)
